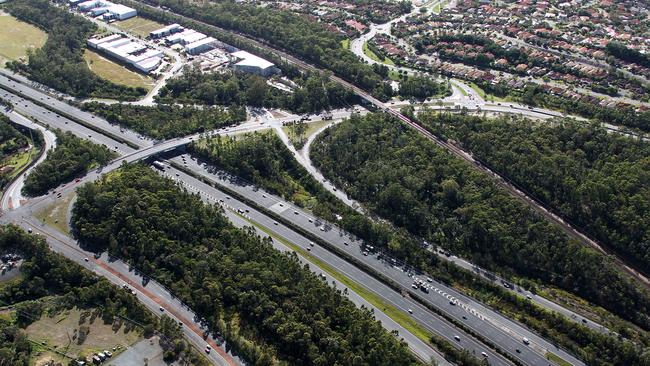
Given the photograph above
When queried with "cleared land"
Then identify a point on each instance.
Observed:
(17, 37)
(138, 26)
(311, 128)
(56, 214)
(62, 333)
(115, 72)
(375, 57)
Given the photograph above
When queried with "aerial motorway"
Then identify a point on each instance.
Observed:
(464, 322)
(508, 337)
(518, 192)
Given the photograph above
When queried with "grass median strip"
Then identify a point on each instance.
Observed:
(398, 316)
(557, 359)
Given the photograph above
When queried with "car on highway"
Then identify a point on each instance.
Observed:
(161, 308)
(457, 338)
(526, 341)
(410, 311)
(484, 354)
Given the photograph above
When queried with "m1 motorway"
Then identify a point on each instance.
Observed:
(66, 245)
(156, 295)
(502, 181)
(421, 315)
(506, 334)
(130, 156)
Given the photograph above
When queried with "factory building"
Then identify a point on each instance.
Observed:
(106, 9)
(247, 62)
(185, 37)
(128, 51)
(164, 32)
(200, 46)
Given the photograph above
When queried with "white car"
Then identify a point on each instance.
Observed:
(410, 311)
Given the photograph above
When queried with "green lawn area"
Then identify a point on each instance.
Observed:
(138, 26)
(372, 55)
(17, 37)
(557, 359)
(486, 96)
(296, 140)
(61, 331)
(398, 316)
(345, 43)
(56, 214)
(394, 75)
(115, 72)
(462, 91)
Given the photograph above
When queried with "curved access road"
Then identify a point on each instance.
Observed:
(12, 196)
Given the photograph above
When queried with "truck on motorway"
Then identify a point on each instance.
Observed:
(159, 165)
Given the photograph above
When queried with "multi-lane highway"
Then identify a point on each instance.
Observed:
(422, 315)
(54, 112)
(506, 334)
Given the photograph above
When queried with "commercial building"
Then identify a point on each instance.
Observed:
(106, 9)
(128, 51)
(164, 32)
(185, 37)
(247, 62)
(201, 46)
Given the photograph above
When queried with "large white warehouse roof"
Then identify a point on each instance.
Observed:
(248, 59)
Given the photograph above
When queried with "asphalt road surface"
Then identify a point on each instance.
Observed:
(27, 90)
(506, 334)
(429, 320)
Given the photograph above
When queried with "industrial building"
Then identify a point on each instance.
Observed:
(128, 51)
(201, 46)
(164, 32)
(247, 62)
(185, 37)
(106, 9)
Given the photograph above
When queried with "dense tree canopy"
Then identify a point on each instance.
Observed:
(223, 272)
(72, 157)
(261, 158)
(11, 141)
(405, 178)
(422, 87)
(313, 92)
(599, 180)
(59, 64)
(534, 95)
(167, 121)
(51, 283)
(624, 53)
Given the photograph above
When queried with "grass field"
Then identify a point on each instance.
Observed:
(138, 26)
(56, 214)
(59, 332)
(372, 55)
(486, 96)
(311, 128)
(345, 43)
(115, 72)
(17, 37)
(557, 359)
